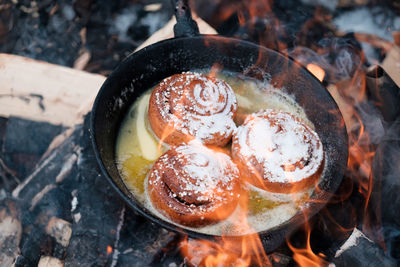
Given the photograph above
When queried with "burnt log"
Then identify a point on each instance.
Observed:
(384, 92)
(10, 233)
(71, 215)
(358, 250)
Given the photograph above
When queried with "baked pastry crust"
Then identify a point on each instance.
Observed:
(194, 185)
(278, 152)
(190, 106)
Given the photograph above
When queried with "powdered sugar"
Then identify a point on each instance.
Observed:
(198, 105)
(287, 149)
(209, 175)
(258, 97)
(208, 168)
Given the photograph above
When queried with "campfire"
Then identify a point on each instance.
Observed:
(57, 208)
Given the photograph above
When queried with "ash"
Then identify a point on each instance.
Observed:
(60, 31)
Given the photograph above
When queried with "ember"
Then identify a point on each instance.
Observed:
(57, 209)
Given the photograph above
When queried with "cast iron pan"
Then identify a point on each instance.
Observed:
(191, 51)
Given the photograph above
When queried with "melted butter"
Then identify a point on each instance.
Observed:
(258, 204)
(148, 145)
(137, 149)
(135, 170)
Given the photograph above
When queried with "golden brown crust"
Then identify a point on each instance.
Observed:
(278, 152)
(191, 106)
(194, 185)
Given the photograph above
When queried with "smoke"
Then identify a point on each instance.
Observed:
(385, 197)
(373, 123)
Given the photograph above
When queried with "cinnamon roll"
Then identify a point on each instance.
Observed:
(193, 106)
(194, 185)
(278, 152)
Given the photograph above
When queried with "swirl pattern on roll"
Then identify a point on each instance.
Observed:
(194, 185)
(278, 152)
(193, 106)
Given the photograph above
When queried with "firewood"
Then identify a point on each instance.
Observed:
(41, 91)
(391, 64)
(168, 31)
(384, 92)
(50, 262)
(371, 39)
(60, 230)
(73, 213)
(10, 236)
(396, 37)
(359, 249)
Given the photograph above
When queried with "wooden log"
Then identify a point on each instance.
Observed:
(10, 237)
(60, 230)
(391, 63)
(371, 39)
(168, 31)
(41, 91)
(384, 92)
(50, 262)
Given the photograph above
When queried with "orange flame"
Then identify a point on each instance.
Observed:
(248, 250)
(109, 250)
(306, 257)
(242, 251)
(317, 71)
(208, 253)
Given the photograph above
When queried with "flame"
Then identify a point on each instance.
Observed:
(215, 69)
(248, 250)
(208, 253)
(317, 71)
(305, 256)
(240, 251)
(349, 95)
(109, 250)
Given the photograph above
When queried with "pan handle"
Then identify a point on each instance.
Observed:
(185, 26)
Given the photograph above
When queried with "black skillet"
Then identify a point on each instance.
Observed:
(191, 51)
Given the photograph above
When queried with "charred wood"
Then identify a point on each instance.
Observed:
(384, 92)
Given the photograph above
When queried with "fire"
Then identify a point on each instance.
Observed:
(109, 250)
(215, 69)
(208, 253)
(317, 71)
(248, 250)
(348, 93)
(305, 256)
(242, 251)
